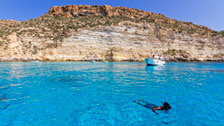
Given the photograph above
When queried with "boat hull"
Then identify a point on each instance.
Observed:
(154, 62)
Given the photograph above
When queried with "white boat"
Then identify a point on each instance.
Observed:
(156, 61)
(36, 61)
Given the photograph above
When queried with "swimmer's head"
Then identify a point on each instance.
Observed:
(166, 106)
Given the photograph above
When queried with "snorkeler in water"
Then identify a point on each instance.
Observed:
(154, 107)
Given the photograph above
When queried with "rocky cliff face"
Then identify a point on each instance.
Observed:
(86, 10)
(82, 33)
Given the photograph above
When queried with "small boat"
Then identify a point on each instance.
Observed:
(36, 61)
(155, 61)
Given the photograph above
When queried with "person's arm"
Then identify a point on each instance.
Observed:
(155, 112)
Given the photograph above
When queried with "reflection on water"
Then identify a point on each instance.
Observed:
(155, 68)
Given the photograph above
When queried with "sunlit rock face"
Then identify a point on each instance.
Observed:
(106, 33)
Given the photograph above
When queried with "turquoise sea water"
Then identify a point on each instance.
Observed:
(95, 94)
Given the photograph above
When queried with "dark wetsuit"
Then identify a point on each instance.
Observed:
(147, 104)
(150, 105)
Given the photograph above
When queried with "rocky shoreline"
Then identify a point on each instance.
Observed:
(101, 60)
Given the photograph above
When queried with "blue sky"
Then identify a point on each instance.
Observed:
(209, 13)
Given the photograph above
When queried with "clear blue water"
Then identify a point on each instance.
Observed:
(95, 94)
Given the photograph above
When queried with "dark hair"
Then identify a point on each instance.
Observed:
(166, 106)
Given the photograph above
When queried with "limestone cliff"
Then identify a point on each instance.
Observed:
(82, 33)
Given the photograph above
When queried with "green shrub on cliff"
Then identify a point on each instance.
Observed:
(171, 52)
(222, 32)
(4, 32)
(1, 43)
(1, 33)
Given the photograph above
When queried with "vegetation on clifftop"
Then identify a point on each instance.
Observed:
(222, 32)
(56, 26)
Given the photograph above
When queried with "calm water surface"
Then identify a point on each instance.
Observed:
(95, 94)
